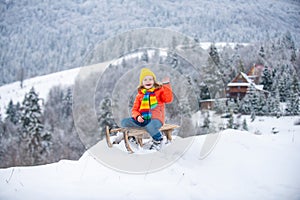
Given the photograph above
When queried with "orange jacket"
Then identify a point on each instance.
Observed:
(163, 95)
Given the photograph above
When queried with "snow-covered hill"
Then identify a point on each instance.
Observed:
(49, 36)
(242, 166)
(41, 84)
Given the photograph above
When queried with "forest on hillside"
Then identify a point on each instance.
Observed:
(43, 37)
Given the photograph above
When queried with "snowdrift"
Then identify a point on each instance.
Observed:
(242, 166)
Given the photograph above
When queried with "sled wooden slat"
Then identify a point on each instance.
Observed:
(138, 133)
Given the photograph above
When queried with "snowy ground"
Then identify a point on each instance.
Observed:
(243, 165)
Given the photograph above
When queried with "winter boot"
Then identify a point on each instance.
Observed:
(156, 145)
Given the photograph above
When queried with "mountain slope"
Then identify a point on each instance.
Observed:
(45, 37)
(41, 84)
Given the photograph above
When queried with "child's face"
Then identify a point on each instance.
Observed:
(148, 82)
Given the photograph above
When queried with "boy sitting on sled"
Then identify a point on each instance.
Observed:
(149, 106)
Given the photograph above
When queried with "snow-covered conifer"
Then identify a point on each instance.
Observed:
(105, 117)
(230, 121)
(13, 112)
(245, 125)
(213, 52)
(32, 127)
(267, 79)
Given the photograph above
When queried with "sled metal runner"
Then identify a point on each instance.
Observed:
(139, 134)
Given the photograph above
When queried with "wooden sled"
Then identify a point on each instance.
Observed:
(138, 133)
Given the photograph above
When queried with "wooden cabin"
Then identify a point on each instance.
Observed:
(239, 86)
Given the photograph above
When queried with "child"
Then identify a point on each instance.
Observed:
(149, 106)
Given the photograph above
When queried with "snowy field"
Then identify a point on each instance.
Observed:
(243, 165)
(41, 84)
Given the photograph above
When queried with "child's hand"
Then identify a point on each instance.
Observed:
(140, 119)
(166, 80)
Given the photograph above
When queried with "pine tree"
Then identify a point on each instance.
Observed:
(220, 106)
(282, 87)
(250, 103)
(267, 79)
(230, 121)
(213, 79)
(245, 126)
(206, 121)
(253, 115)
(105, 115)
(241, 67)
(12, 112)
(145, 56)
(293, 107)
(53, 110)
(274, 103)
(253, 99)
(32, 127)
(204, 92)
(213, 52)
(67, 104)
(245, 105)
(227, 66)
(295, 85)
(232, 106)
(262, 106)
(21, 76)
(287, 79)
(289, 44)
(261, 52)
(172, 59)
(208, 126)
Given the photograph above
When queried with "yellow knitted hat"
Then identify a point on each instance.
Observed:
(146, 72)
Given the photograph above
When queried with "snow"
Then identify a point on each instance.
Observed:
(246, 77)
(238, 84)
(41, 84)
(243, 165)
(259, 87)
(221, 45)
